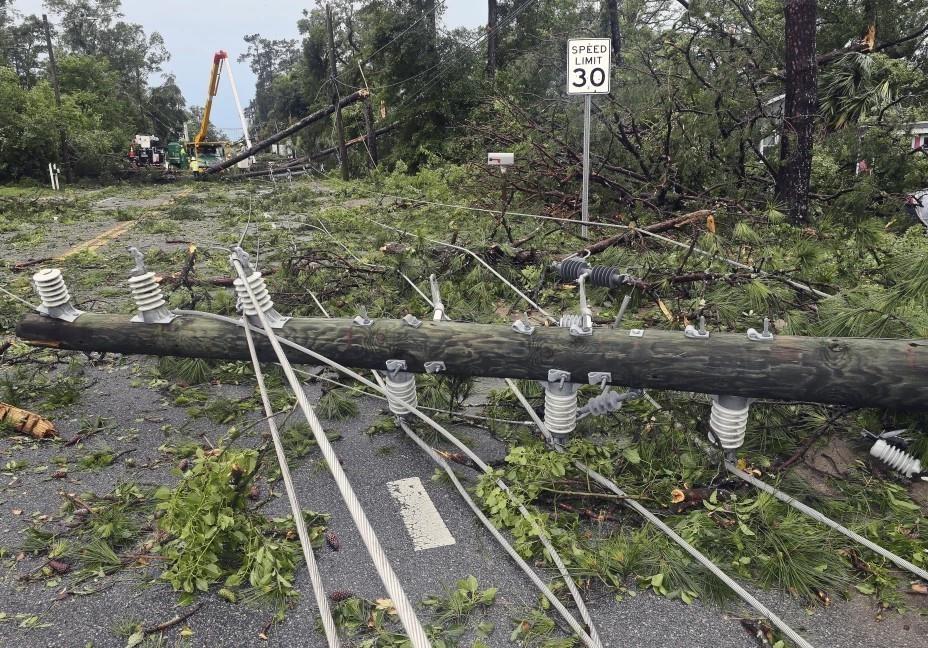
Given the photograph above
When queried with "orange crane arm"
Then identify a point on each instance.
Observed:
(218, 58)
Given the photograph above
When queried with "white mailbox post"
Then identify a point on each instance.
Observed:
(501, 160)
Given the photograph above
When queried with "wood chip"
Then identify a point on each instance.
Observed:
(26, 422)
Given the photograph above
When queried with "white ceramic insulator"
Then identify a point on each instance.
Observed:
(50, 286)
(729, 419)
(569, 320)
(605, 403)
(560, 411)
(262, 297)
(899, 460)
(146, 292)
(401, 391)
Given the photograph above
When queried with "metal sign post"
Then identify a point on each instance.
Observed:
(588, 65)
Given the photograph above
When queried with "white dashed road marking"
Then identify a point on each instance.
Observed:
(423, 522)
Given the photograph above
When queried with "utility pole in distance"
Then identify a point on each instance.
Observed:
(371, 131)
(339, 127)
(53, 73)
(492, 21)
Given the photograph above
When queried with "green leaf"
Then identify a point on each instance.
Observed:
(631, 455)
(135, 638)
(865, 588)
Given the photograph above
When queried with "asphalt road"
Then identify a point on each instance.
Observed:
(370, 462)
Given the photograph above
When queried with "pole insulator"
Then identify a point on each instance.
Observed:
(262, 301)
(729, 420)
(560, 404)
(400, 388)
(56, 300)
(896, 458)
(603, 276)
(146, 292)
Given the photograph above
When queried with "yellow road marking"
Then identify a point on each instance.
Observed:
(113, 233)
(98, 241)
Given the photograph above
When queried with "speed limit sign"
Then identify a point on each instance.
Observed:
(588, 66)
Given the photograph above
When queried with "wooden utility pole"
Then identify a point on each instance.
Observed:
(431, 22)
(858, 372)
(339, 126)
(615, 31)
(799, 109)
(289, 130)
(492, 22)
(371, 131)
(52, 65)
(53, 73)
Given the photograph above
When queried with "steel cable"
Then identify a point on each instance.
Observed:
(405, 611)
(820, 517)
(591, 640)
(315, 577)
(500, 538)
(608, 484)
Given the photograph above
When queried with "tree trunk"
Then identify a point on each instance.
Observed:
(799, 109)
(289, 130)
(432, 23)
(53, 73)
(492, 22)
(615, 32)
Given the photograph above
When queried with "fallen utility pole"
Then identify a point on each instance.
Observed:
(290, 130)
(293, 165)
(858, 372)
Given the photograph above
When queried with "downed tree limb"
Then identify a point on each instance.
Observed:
(858, 372)
(292, 165)
(26, 422)
(290, 130)
(663, 226)
(22, 266)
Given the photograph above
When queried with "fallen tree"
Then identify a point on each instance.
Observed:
(858, 372)
(290, 130)
(293, 165)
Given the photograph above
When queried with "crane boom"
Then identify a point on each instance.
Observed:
(218, 59)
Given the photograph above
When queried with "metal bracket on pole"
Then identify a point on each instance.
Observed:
(434, 367)
(601, 378)
(558, 376)
(394, 367)
(765, 336)
(411, 320)
(361, 319)
(697, 334)
(523, 327)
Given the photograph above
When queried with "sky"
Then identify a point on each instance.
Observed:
(193, 31)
